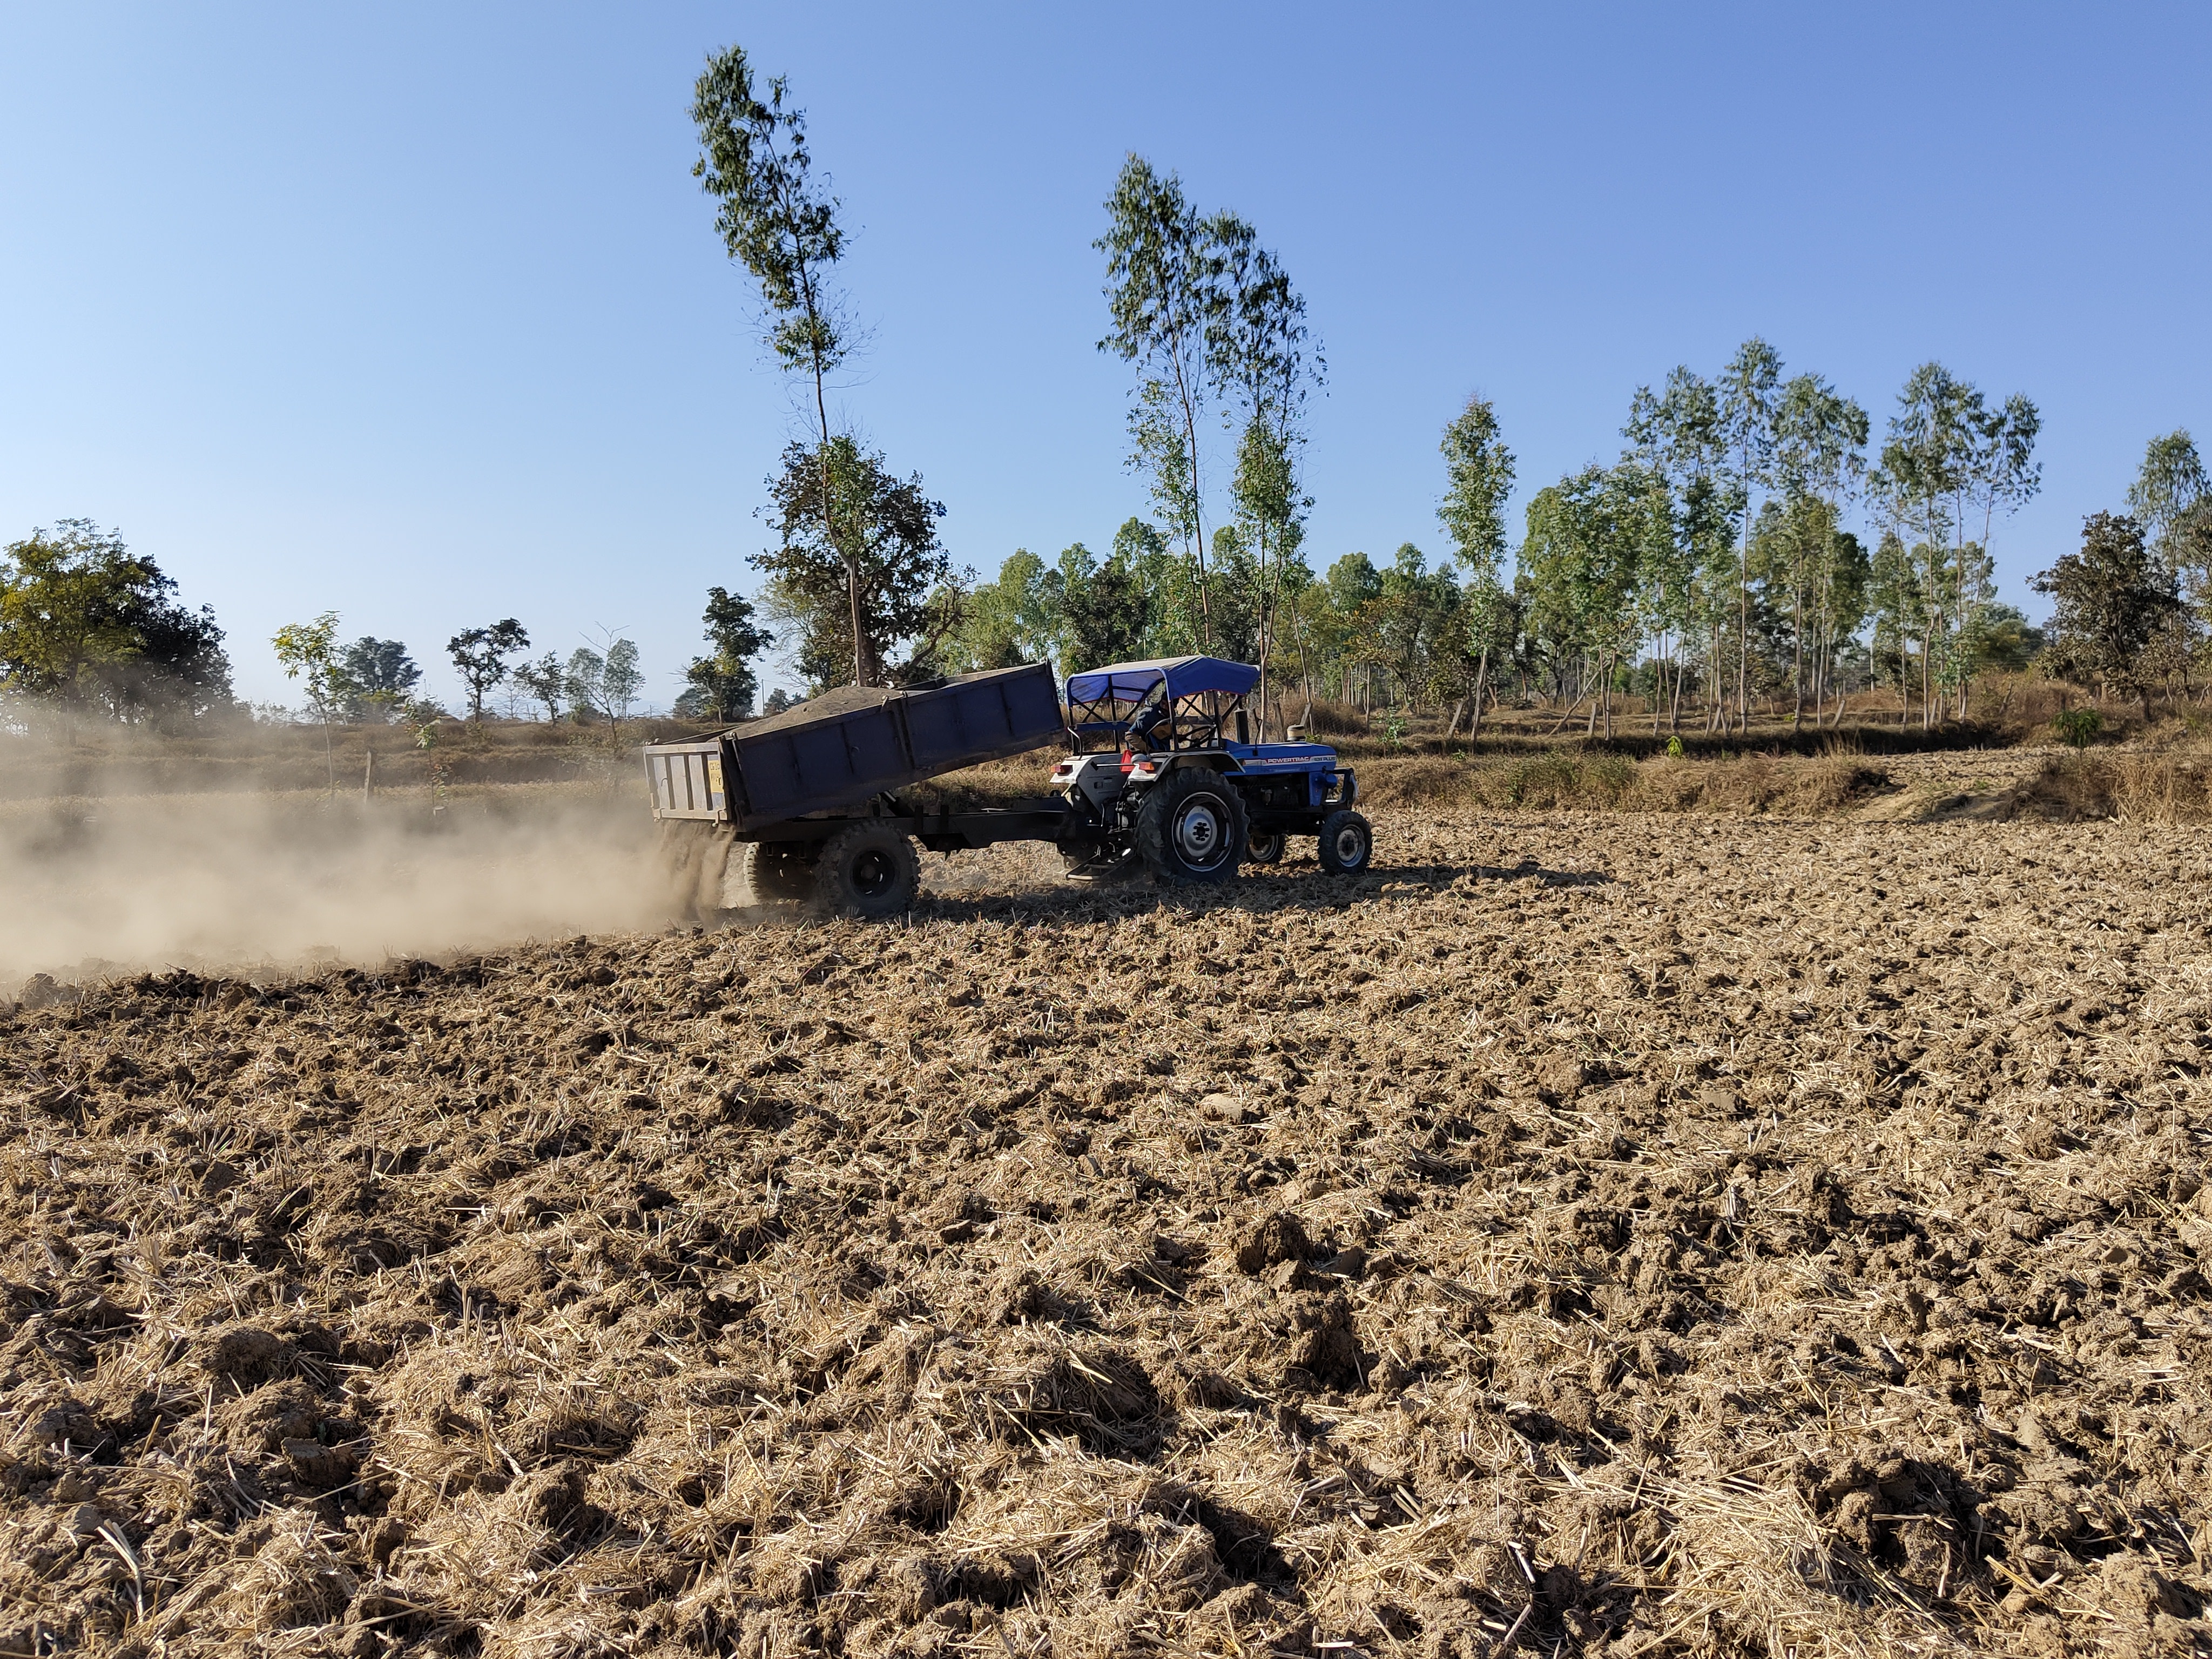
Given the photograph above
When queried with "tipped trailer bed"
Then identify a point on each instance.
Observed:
(839, 751)
(761, 801)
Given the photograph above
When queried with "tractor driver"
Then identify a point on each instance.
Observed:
(1148, 717)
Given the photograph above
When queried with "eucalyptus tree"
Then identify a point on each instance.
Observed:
(2171, 497)
(309, 651)
(1583, 551)
(1172, 623)
(779, 224)
(1820, 455)
(1165, 299)
(1261, 353)
(1677, 434)
(1922, 480)
(1895, 599)
(1747, 394)
(1479, 471)
(2001, 475)
(1006, 620)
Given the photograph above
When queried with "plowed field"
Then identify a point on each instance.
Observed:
(1586, 1235)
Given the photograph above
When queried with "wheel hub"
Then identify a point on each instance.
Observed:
(1347, 844)
(873, 875)
(1198, 832)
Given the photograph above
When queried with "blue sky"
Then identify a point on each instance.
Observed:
(415, 312)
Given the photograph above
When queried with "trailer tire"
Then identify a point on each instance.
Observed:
(1264, 847)
(1191, 828)
(763, 873)
(1346, 842)
(869, 870)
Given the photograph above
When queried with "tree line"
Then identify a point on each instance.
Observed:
(88, 626)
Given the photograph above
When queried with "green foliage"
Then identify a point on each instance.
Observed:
(544, 681)
(2078, 727)
(772, 218)
(2171, 497)
(1204, 314)
(1479, 472)
(622, 680)
(2111, 600)
(308, 651)
(1005, 621)
(86, 624)
(1164, 297)
(2007, 642)
(480, 654)
(721, 686)
(383, 676)
(583, 683)
(886, 568)
(1948, 457)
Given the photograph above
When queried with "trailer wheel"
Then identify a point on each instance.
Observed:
(1264, 848)
(770, 873)
(1191, 829)
(1346, 842)
(869, 870)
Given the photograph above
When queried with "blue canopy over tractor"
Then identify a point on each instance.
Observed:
(1183, 694)
(1128, 682)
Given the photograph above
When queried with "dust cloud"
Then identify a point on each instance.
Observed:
(235, 881)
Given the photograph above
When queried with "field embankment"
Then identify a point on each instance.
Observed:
(1717, 1240)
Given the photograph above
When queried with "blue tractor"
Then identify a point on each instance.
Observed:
(1165, 778)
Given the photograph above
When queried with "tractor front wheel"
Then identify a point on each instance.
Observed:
(1191, 828)
(867, 870)
(1264, 847)
(1346, 842)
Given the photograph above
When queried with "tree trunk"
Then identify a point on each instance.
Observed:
(1482, 674)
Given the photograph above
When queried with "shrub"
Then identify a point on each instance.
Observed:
(2078, 727)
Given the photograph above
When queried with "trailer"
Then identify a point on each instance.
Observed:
(1162, 779)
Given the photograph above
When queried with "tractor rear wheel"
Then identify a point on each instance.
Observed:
(1346, 842)
(1264, 847)
(1191, 828)
(770, 873)
(869, 870)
